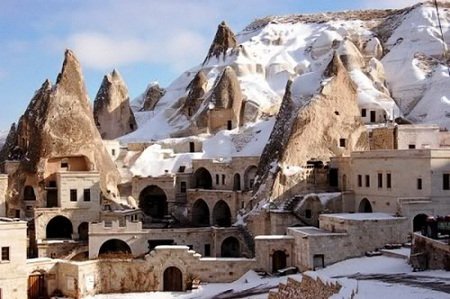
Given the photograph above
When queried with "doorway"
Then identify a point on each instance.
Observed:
(36, 286)
(173, 280)
(278, 260)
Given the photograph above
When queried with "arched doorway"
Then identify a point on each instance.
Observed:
(365, 206)
(249, 177)
(200, 213)
(83, 231)
(28, 193)
(278, 260)
(115, 246)
(37, 286)
(230, 247)
(59, 227)
(202, 179)
(419, 222)
(153, 202)
(173, 280)
(237, 182)
(221, 214)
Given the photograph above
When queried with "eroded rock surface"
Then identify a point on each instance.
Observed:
(223, 40)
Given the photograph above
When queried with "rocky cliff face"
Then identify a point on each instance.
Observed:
(223, 40)
(323, 126)
(57, 124)
(152, 95)
(7, 150)
(112, 113)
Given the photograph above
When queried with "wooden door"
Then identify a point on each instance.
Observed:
(36, 286)
(173, 280)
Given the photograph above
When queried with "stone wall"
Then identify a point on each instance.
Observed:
(307, 288)
(427, 253)
(266, 246)
(382, 138)
(3, 188)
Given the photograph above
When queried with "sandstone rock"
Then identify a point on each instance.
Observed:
(59, 123)
(112, 113)
(197, 89)
(311, 130)
(153, 94)
(223, 40)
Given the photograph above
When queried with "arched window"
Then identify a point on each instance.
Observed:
(221, 214)
(365, 206)
(237, 182)
(230, 247)
(114, 246)
(200, 213)
(203, 179)
(59, 227)
(153, 202)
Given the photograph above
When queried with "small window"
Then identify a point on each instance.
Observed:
(367, 180)
(5, 253)
(73, 195)
(207, 250)
(251, 183)
(446, 181)
(308, 213)
(223, 179)
(359, 180)
(191, 147)
(363, 112)
(242, 204)
(52, 184)
(388, 180)
(87, 194)
(217, 179)
(419, 184)
(342, 142)
(64, 164)
(28, 193)
(229, 125)
(113, 152)
(380, 180)
(411, 146)
(181, 168)
(17, 213)
(183, 187)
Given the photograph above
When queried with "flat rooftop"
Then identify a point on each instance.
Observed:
(314, 231)
(362, 216)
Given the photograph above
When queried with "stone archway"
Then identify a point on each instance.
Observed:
(83, 231)
(419, 222)
(365, 206)
(173, 280)
(202, 179)
(59, 227)
(230, 247)
(114, 247)
(200, 213)
(221, 214)
(153, 202)
(249, 177)
(237, 182)
(278, 260)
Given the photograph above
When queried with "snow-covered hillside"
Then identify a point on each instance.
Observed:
(3, 135)
(394, 58)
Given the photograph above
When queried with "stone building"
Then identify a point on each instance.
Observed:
(13, 244)
(412, 183)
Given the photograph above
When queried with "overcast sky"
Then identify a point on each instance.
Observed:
(146, 40)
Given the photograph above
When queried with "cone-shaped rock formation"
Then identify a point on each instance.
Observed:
(153, 94)
(223, 40)
(112, 113)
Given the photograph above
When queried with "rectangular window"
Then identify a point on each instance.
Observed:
(380, 180)
(87, 194)
(191, 147)
(207, 250)
(183, 187)
(223, 179)
(359, 180)
(388, 180)
(229, 125)
(419, 184)
(367, 180)
(363, 112)
(446, 181)
(181, 168)
(342, 142)
(73, 195)
(308, 213)
(5, 253)
(113, 152)
(411, 146)
(217, 179)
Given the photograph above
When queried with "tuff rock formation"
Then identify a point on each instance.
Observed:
(7, 152)
(310, 130)
(152, 95)
(112, 113)
(195, 97)
(59, 124)
(223, 40)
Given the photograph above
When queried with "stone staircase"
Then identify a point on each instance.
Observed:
(291, 203)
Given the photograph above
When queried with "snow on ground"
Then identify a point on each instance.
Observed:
(366, 288)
